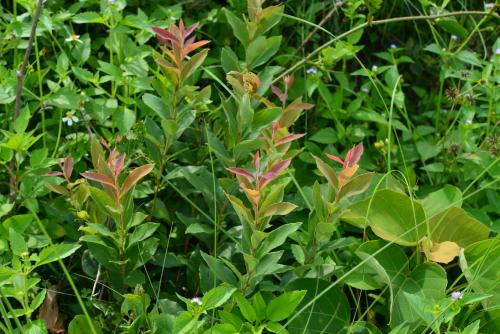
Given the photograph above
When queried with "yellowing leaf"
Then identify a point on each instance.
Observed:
(443, 252)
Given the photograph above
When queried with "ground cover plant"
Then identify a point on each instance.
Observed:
(249, 166)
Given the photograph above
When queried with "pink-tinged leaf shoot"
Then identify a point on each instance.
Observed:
(134, 177)
(103, 179)
(354, 154)
(289, 138)
(275, 170)
(53, 174)
(190, 29)
(191, 47)
(305, 106)
(242, 172)
(335, 158)
(119, 165)
(68, 167)
(281, 96)
(164, 35)
(289, 81)
(256, 161)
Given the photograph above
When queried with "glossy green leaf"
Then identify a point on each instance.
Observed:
(283, 306)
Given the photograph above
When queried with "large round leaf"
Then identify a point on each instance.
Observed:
(330, 313)
(393, 216)
(426, 282)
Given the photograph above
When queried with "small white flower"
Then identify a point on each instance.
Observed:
(456, 295)
(70, 118)
(468, 121)
(488, 5)
(497, 51)
(365, 90)
(445, 110)
(73, 38)
(454, 37)
(311, 70)
(374, 68)
(196, 300)
(393, 46)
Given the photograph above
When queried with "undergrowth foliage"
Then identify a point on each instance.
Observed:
(252, 167)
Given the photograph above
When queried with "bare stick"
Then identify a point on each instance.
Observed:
(20, 77)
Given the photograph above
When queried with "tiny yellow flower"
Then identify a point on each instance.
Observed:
(379, 144)
(82, 214)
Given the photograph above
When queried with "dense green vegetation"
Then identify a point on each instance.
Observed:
(206, 166)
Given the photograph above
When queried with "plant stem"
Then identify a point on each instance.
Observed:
(20, 77)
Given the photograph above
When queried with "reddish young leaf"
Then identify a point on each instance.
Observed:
(190, 29)
(335, 158)
(103, 179)
(163, 35)
(68, 167)
(289, 138)
(275, 171)
(288, 81)
(242, 172)
(256, 161)
(276, 127)
(305, 106)
(104, 143)
(53, 174)
(119, 164)
(191, 47)
(134, 177)
(354, 155)
(281, 96)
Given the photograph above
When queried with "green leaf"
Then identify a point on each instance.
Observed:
(88, 17)
(21, 122)
(327, 172)
(157, 105)
(229, 60)
(276, 238)
(80, 324)
(192, 65)
(329, 313)
(219, 269)
(427, 281)
(355, 186)
(480, 263)
(261, 50)
(124, 119)
(441, 200)
(283, 306)
(264, 118)
(55, 252)
(142, 232)
(245, 307)
(278, 209)
(469, 58)
(217, 297)
(457, 226)
(324, 136)
(427, 149)
(17, 243)
(453, 27)
(239, 27)
(393, 216)
(298, 253)
(245, 112)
